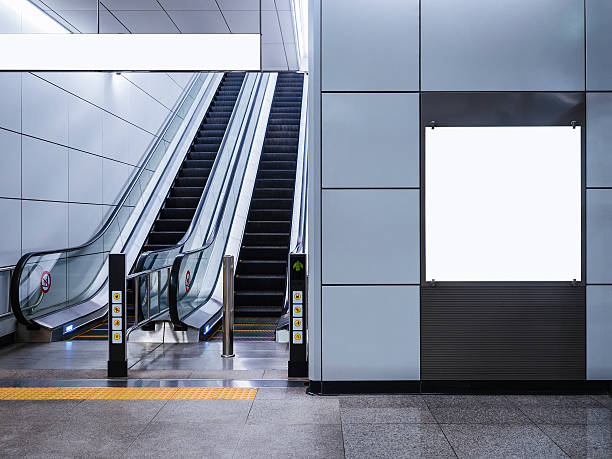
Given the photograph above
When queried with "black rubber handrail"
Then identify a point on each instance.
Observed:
(176, 265)
(15, 280)
(198, 211)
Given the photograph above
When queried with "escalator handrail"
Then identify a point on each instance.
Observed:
(198, 211)
(15, 280)
(301, 231)
(176, 265)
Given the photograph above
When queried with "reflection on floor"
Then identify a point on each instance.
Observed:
(286, 422)
(88, 359)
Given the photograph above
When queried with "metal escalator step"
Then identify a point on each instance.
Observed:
(262, 239)
(272, 203)
(257, 266)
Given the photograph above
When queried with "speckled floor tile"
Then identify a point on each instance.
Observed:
(395, 441)
(592, 441)
(500, 441)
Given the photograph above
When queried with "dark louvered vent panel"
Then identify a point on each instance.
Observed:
(503, 333)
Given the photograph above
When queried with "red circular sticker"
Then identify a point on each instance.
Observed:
(188, 281)
(45, 281)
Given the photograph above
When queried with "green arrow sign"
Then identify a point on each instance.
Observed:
(298, 266)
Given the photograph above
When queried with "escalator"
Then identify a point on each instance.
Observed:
(261, 271)
(181, 202)
(180, 205)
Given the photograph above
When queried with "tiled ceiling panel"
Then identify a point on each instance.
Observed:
(188, 16)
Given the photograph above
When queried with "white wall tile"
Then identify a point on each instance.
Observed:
(599, 41)
(84, 220)
(200, 21)
(139, 21)
(189, 5)
(145, 112)
(44, 225)
(181, 78)
(473, 45)
(85, 126)
(10, 231)
(147, 5)
(599, 332)
(115, 177)
(10, 164)
(599, 140)
(242, 21)
(273, 56)
(349, 312)
(370, 237)
(116, 137)
(599, 236)
(85, 177)
(44, 170)
(245, 5)
(369, 45)
(10, 18)
(45, 110)
(286, 23)
(10, 95)
(270, 28)
(86, 85)
(360, 150)
(140, 141)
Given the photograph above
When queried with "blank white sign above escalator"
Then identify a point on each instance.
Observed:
(130, 52)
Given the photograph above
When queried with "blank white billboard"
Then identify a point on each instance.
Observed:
(129, 52)
(503, 203)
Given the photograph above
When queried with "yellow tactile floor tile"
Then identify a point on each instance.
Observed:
(47, 393)
(134, 393)
(124, 393)
(215, 394)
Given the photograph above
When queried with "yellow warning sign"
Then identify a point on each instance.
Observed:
(297, 309)
(297, 322)
(117, 323)
(297, 296)
(116, 336)
(116, 296)
(117, 309)
(297, 336)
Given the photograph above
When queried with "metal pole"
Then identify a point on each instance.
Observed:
(148, 295)
(228, 306)
(168, 289)
(159, 291)
(98, 16)
(136, 299)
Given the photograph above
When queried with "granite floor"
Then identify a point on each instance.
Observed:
(282, 421)
(288, 423)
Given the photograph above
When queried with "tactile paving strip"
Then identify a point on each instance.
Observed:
(124, 393)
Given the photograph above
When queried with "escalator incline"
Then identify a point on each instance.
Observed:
(262, 264)
(182, 200)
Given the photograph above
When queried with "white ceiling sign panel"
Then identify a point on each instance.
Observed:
(186, 16)
(503, 204)
(124, 52)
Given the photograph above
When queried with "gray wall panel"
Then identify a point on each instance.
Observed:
(599, 43)
(518, 45)
(360, 150)
(599, 140)
(370, 237)
(599, 236)
(370, 45)
(599, 332)
(349, 353)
